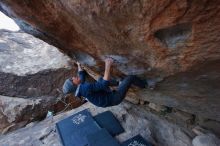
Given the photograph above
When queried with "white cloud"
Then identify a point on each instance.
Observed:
(7, 23)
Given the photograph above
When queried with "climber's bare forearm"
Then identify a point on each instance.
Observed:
(107, 73)
(79, 66)
(108, 63)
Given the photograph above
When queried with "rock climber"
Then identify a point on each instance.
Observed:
(99, 92)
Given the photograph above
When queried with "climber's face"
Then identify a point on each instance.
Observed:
(76, 80)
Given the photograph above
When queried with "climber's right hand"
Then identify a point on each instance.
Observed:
(78, 63)
(109, 62)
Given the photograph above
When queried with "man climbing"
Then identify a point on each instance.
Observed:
(99, 93)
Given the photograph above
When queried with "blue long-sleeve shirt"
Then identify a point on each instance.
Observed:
(97, 93)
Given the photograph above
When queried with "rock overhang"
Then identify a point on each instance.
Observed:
(154, 38)
(167, 36)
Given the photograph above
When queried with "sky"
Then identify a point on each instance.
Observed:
(7, 23)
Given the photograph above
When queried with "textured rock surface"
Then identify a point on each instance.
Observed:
(196, 92)
(156, 130)
(23, 54)
(158, 108)
(211, 125)
(166, 36)
(17, 112)
(29, 66)
(46, 82)
(206, 140)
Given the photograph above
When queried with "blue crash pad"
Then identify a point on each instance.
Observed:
(137, 140)
(101, 138)
(108, 121)
(74, 129)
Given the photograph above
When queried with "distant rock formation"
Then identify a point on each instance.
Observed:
(29, 66)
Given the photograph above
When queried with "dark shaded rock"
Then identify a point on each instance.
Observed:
(181, 118)
(211, 125)
(196, 92)
(65, 103)
(47, 82)
(175, 36)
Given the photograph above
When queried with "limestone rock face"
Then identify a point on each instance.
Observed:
(150, 126)
(144, 37)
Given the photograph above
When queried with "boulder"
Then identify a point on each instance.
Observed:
(23, 54)
(206, 140)
(32, 73)
(29, 67)
(17, 112)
